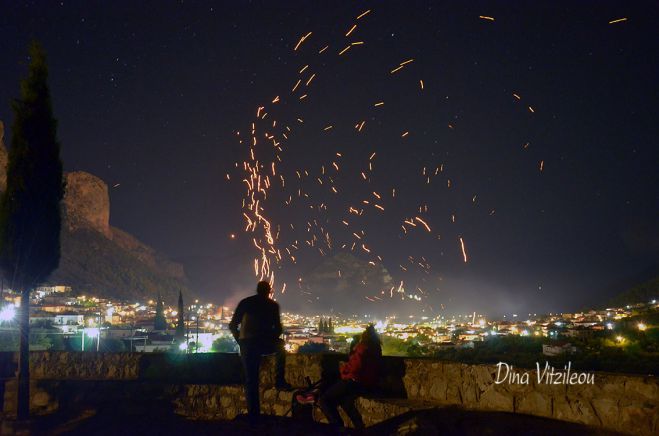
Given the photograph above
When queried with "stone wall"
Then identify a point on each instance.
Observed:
(207, 386)
(86, 366)
(622, 403)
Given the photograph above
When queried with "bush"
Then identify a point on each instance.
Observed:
(225, 344)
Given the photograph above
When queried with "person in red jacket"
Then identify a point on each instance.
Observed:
(359, 374)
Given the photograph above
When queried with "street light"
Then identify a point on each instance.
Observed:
(93, 332)
(7, 313)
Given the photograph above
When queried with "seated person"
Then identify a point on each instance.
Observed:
(358, 375)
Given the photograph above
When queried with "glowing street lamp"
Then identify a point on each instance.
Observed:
(7, 313)
(93, 332)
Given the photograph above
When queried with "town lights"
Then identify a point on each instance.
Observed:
(609, 325)
(641, 326)
(183, 346)
(7, 313)
(620, 339)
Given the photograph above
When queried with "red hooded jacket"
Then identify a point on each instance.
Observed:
(363, 366)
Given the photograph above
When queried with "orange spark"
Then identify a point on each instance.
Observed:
(423, 222)
(301, 41)
(354, 26)
(464, 252)
(486, 18)
(619, 20)
(363, 14)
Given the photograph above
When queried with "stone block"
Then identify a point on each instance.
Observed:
(642, 388)
(534, 403)
(492, 399)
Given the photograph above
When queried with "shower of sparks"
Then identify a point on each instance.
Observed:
(261, 175)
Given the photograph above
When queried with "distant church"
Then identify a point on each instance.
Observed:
(325, 326)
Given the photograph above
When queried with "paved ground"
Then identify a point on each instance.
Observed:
(446, 421)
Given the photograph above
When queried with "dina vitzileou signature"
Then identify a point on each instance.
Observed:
(544, 375)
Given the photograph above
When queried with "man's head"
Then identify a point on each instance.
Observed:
(263, 289)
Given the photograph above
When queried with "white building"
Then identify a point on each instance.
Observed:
(558, 349)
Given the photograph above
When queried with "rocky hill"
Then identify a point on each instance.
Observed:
(101, 260)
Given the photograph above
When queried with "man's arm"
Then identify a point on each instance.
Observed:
(236, 320)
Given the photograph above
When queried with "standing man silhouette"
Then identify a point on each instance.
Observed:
(260, 328)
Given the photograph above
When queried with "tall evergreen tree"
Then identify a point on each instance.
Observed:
(160, 323)
(330, 327)
(30, 219)
(180, 324)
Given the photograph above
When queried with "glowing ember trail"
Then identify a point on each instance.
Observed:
(464, 252)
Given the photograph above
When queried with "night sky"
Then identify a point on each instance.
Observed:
(546, 114)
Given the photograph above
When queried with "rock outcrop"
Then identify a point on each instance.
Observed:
(99, 259)
(87, 203)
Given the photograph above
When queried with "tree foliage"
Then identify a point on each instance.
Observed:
(160, 323)
(312, 348)
(225, 344)
(180, 324)
(30, 219)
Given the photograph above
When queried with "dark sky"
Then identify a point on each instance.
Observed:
(150, 95)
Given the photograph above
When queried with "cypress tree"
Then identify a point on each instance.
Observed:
(180, 325)
(30, 219)
(160, 323)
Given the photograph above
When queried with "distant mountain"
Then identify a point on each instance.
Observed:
(642, 293)
(95, 265)
(101, 260)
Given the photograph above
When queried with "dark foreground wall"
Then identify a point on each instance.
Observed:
(206, 386)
